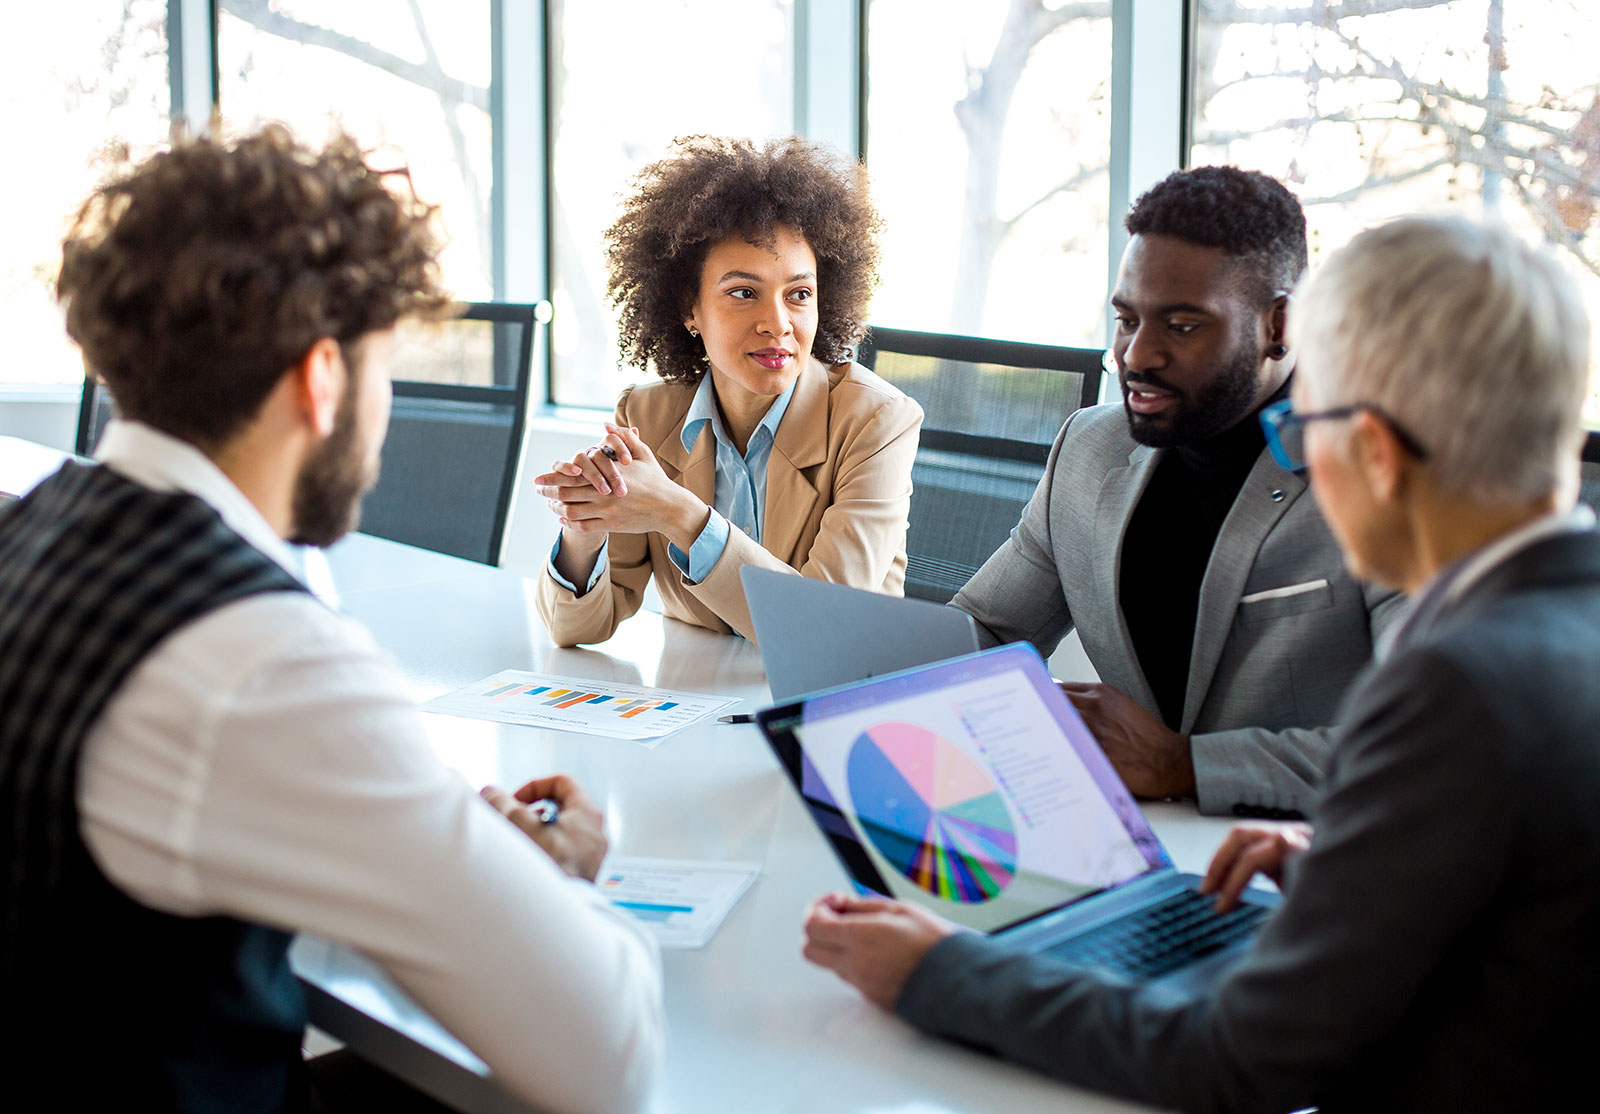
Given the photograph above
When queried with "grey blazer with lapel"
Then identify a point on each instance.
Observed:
(1282, 627)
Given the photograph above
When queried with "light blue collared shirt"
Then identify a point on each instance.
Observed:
(739, 498)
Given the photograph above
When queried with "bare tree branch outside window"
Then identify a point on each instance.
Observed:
(1375, 108)
(989, 144)
(1367, 108)
(85, 91)
(368, 69)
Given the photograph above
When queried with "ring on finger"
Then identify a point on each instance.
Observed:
(607, 450)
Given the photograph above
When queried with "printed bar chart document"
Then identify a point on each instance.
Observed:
(607, 708)
(681, 902)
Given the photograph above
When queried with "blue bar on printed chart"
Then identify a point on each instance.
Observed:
(646, 911)
(655, 706)
(582, 698)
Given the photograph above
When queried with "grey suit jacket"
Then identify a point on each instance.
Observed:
(1435, 947)
(1281, 631)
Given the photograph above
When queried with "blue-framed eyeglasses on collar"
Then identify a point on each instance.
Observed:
(1285, 431)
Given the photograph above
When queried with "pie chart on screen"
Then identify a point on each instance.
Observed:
(932, 812)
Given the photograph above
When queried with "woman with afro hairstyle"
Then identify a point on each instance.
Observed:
(741, 272)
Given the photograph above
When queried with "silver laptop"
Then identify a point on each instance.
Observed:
(815, 635)
(972, 787)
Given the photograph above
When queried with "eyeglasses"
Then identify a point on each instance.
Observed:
(1285, 431)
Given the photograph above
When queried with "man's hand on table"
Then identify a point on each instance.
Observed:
(1252, 849)
(575, 839)
(871, 943)
(1152, 759)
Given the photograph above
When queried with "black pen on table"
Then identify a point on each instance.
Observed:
(737, 717)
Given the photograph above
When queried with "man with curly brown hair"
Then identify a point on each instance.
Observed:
(197, 757)
(742, 273)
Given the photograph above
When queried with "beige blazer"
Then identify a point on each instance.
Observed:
(838, 493)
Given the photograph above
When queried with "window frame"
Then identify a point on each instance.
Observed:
(1150, 127)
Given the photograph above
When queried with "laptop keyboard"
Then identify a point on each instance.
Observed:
(1151, 942)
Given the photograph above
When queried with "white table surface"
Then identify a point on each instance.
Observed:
(23, 464)
(751, 1026)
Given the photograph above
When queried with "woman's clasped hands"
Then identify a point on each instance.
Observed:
(617, 486)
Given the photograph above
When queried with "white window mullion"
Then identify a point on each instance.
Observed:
(1147, 68)
(191, 61)
(827, 72)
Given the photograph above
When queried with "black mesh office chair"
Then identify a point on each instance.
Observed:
(455, 434)
(992, 409)
(1589, 483)
(450, 461)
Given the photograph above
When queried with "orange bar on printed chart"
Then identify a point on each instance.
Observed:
(663, 705)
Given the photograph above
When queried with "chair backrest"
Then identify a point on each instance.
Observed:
(450, 459)
(95, 409)
(1589, 482)
(991, 409)
(449, 466)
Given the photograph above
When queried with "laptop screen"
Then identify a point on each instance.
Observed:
(971, 787)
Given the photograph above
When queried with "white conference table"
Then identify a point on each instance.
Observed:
(751, 1026)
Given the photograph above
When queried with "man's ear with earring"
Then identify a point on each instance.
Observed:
(1280, 308)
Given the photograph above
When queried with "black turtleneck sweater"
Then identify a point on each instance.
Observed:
(1168, 546)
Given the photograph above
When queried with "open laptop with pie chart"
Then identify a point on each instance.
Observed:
(972, 787)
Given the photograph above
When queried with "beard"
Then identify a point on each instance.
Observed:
(328, 490)
(1220, 403)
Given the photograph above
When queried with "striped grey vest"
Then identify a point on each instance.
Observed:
(104, 1001)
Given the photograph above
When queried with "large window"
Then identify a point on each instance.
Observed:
(987, 130)
(1487, 106)
(628, 76)
(408, 77)
(989, 141)
(85, 87)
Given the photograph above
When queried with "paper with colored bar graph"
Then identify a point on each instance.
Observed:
(607, 708)
(682, 902)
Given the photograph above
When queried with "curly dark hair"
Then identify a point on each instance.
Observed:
(709, 189)
(195, 279)
(1249, 215)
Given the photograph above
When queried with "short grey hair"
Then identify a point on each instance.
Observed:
(1474, 342)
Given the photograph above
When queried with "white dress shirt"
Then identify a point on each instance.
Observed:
(266, 762)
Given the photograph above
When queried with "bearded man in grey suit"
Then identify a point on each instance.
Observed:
(1434, 949)
(1207, 590)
